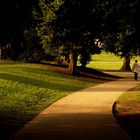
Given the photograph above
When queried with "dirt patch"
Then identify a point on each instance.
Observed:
(128, 117)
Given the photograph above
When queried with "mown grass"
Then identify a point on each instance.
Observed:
(108, 61)
(105, 61)
(26, 89)
(132, 95)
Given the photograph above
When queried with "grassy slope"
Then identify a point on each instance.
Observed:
(26, 89)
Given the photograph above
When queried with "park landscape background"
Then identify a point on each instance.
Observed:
(51, 48)
(27, 88)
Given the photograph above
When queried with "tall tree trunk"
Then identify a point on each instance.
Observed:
(126, 64)
(73, 63)
(84, 60)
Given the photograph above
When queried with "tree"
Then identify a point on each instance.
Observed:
(48, 9)
(122, 31)
(77, 25)
(17, 16)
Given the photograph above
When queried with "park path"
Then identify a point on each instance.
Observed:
(83, 115)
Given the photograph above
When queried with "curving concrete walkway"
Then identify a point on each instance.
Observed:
(83, 115)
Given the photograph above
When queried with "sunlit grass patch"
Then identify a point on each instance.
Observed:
(105, 61)
(108, 61)
(26, 89)
(132, 95)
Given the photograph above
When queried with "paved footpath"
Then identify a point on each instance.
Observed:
(83, 115)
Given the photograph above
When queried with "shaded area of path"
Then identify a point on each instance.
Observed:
(83, 115)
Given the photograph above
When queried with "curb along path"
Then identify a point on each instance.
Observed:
(83, 115)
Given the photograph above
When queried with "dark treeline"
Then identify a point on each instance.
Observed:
(65, 30)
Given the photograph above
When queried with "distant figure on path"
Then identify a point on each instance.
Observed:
(135, 69)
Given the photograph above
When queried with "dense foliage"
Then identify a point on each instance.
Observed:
(68, 28)
(114, 23)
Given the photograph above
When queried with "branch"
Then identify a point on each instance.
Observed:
(48, 6)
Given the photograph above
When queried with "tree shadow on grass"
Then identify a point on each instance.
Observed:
(62, 72)
(39, 83)
(34, 70)
(98, 73)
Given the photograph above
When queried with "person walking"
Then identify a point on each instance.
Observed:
(135, 69)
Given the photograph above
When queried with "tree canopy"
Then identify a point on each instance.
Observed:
(122, 38)
(76, 27)
(16, 17)
(69, 27)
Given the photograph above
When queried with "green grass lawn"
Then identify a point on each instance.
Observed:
(132, 95)
(108, 61)
(26, 89)
(105, 61)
